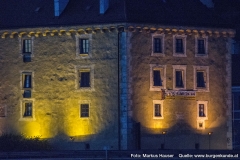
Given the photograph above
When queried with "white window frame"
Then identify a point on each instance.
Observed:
(4, 112)
(78, 70)
(161, 111)
(182, 68)
(205, 38)
(205, 103)
(78, 38)
(89, 105)
(161, 36)
(22, 118)
(206, 70)
(161, 68)
(184, 39)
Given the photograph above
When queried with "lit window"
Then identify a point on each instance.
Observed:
(27, 110)
(201, 78)
(157, 109)
(84, 46)
(157, 45)
(157, 77)
(202, 109)
(201, 45)
(84, 111)
(179, 45)
(179, 77)
(85, 79)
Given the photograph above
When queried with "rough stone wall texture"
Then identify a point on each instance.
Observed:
(56, 100)
(180, 116)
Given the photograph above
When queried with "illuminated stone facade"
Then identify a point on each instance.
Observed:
(90, 80)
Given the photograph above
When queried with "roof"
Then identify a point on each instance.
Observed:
(36, 13)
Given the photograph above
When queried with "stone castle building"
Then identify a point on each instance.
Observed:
(116, 74)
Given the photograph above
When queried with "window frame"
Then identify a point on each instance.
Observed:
(22, 110)
(22, 81)
(179, 68)
(204, 69)
(163, 77)
(161, 109)
(89, 108)
(22, 44)
(80, 37)
(205, 103)
(184, 43)
(205, 39)
(87, 68)
(198, 124)
(85, 113)
(161, 37)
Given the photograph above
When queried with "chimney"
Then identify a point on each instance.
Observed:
(104, 4)
(59, 6)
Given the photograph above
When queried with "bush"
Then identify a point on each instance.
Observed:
(12, 142)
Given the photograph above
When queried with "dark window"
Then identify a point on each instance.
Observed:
(84, 110)
(84, 46)
(157, 45)
(27, 83)
(179, 79)
(201, 46)
(157, 81)
(201, 111)
(200, 79)
(157, 110)
(28, 109)
(2, 111)
(27, 46)
(84, 79)
(179, 45)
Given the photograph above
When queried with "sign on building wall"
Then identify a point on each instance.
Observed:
(182, 95)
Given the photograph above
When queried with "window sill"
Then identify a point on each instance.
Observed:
(156, 88)
(201, 55)
(179, 55)
(202, 118)
(85, 89)
(27, 119)
(157, 54)
(158, 118)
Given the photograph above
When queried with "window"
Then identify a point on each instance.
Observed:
(157, 45)
(27, 110)
(179, 77)
(200, 124)
(201, 114)
(27, 84)
(157, 109)
(202, 109)
(83, 46)
(27, 49)
(157, 77)
(201, 46)
(2, 111)
(27, 46)
(201, 78)
(85, 77)
(179, 45)
(84, 111)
